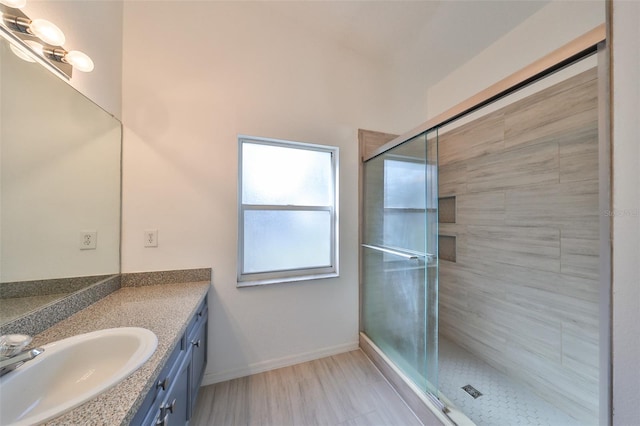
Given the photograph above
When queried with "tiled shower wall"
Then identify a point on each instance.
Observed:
(523, 292)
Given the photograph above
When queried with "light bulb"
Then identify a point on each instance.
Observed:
(17, 4)
(47, 32)
(79, 61)
(22, 54)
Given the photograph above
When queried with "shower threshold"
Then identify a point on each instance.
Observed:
(426, 406)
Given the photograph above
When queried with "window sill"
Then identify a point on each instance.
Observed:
(284, 280)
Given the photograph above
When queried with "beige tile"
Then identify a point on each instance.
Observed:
(281, 399)
(572, 205)
(343, 389)
(452, 179)
(452, 293)
(581, 313)
(573, 393)
(524, 292)
(579, 256)
(368, 419)
(579, 154)
(393, 411)
(513, 168)
(480, 335)
(553, 111)
(536, 333)
(534, 247)
(531, 278)
(471, 140)
(482, 208)
(204, 406)
(581, 350)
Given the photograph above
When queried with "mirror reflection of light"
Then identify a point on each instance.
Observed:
(17, 4)
(23, 54)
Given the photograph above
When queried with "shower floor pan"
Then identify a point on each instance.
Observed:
(502, 400)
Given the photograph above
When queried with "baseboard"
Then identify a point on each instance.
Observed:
(272, 364)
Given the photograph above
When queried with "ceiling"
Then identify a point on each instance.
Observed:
(449, 31)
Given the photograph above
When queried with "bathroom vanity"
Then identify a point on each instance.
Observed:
(72, 208)
(172, 399)
(164, 389)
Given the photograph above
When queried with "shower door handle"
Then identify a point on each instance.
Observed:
(391, 251)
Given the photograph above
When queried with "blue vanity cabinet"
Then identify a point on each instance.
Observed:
(147, 413)
(198, 341)
(175, 408)
(172, 399)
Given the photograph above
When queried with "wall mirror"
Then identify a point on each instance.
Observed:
(60, 173)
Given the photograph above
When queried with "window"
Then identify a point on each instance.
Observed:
(287, 224)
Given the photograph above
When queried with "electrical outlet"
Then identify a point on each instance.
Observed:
(151, 238)
(88, 240)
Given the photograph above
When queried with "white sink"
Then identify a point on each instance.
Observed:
(71, 371)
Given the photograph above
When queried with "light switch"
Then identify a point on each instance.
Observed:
(151, 238)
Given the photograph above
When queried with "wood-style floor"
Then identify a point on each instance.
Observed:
(344, 389)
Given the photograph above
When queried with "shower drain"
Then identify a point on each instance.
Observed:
(475, 393)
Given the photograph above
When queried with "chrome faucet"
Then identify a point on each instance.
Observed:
(13, 354)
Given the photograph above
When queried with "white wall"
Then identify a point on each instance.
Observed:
(551, 27)
(189, 90)
(626, 204)
(95, 28)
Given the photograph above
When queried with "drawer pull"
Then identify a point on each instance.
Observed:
(164, 384)
(196, 343)
(168, 407)
(164, 421)
(164, 412)
(200, 313)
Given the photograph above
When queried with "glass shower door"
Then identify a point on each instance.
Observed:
(399, 254)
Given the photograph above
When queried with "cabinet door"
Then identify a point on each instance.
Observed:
(175, 408)
(148, 413)
(199, 361)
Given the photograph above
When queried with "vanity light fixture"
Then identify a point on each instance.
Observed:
(17, 4)
(46, 31)
(41, 28)
(79, 60)
(26, 30)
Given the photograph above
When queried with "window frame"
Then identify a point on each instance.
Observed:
(288, 275)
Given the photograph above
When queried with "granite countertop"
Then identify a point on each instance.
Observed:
(164, 309)
(16, 307)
